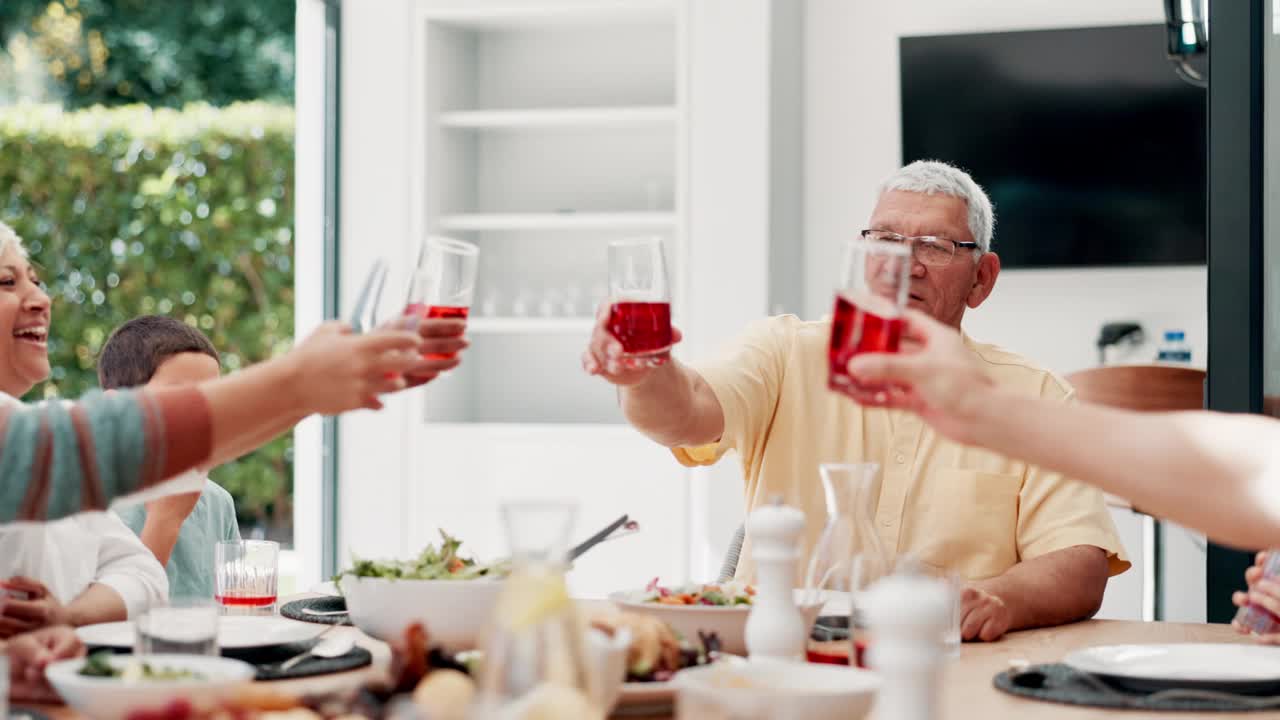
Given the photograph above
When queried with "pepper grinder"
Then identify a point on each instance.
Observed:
(775, 628)
(907, 615)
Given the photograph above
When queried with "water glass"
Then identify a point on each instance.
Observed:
(874, 284)
(955, 591)
(955, 583)
(184, 627)
(640, 293)
(245, 573)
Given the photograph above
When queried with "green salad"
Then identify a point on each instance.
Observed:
(433, 563)
(99, 665)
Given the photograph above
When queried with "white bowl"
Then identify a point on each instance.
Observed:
(777, 689)
(114, 699)
(454, 612)
(728, 622)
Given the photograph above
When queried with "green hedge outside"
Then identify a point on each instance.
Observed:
(187, 213)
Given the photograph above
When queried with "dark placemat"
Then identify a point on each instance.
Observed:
(645, 710)
(268, 659)
(1059, 683)
(21, 713)
(328, 603)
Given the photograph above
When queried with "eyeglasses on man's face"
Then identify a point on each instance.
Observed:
(930, 250)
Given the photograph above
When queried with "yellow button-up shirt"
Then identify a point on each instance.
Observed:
(962, 508)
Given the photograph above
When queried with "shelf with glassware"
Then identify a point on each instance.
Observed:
(547, 130)
(526, 366)
(530, 119)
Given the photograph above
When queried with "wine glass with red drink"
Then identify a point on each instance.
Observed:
(875, 280)
(444, 282)
(640, 313)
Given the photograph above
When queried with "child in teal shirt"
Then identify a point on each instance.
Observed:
(180, 529)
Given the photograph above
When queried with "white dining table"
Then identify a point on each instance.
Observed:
(967, 689)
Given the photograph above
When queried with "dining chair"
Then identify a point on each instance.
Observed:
(730, 565)
(1143, 388)
(1146, 388)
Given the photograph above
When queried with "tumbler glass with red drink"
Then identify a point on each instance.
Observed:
(874, 283)
(444, 282)
(640, 313)
(245, 574)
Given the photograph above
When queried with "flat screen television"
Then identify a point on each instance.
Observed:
(1091, 148)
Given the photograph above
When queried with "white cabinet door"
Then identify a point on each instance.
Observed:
(606, 470)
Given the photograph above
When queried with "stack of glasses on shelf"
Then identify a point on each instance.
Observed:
(443, 286)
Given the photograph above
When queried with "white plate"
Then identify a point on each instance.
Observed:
(1181, 663)
(234, 632)
(115, 699)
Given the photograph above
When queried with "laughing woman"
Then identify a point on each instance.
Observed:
(81, 570)
(59, 459)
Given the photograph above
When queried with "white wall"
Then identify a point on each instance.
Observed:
(853, 139)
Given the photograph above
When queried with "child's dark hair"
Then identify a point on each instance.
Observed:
(138, 347)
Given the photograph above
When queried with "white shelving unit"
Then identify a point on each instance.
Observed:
(542, 130)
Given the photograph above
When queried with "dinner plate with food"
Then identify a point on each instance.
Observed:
(656, 652)
(719, 608)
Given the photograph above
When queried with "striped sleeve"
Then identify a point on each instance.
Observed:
(57, 459)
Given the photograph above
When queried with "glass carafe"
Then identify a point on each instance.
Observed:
(534, 659)
(849, 555)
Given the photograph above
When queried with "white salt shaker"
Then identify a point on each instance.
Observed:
(775, 628)
(907, 615)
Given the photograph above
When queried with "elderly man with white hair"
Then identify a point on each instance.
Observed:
(1035, 548)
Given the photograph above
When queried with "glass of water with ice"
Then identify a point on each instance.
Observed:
(183, 626)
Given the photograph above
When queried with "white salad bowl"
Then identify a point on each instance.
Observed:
(728, 622)
(116, 698)
(454, 612)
